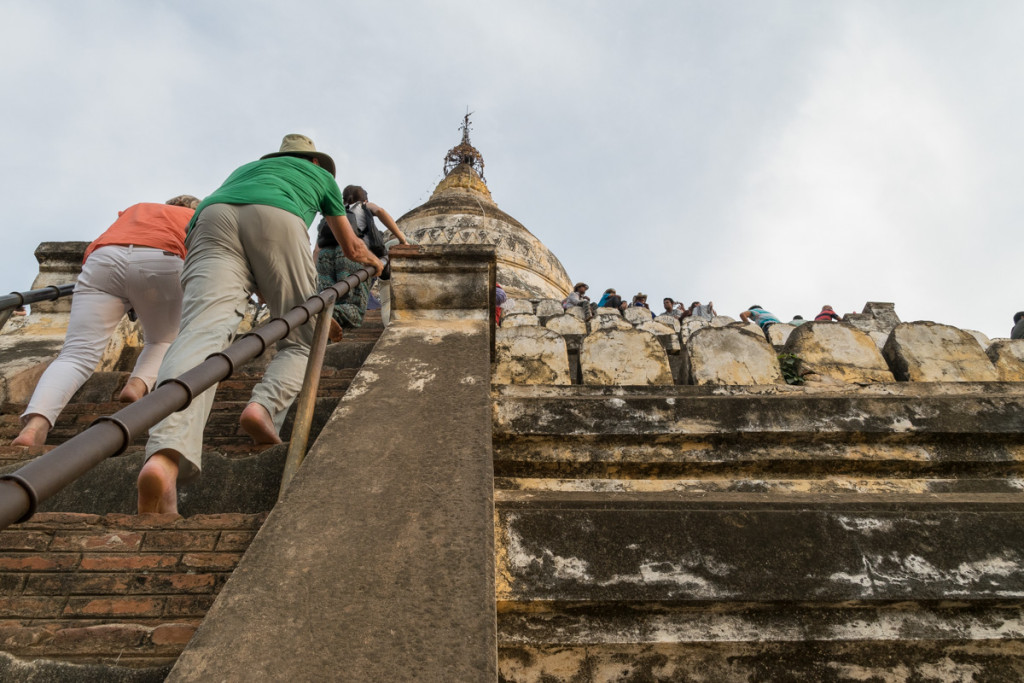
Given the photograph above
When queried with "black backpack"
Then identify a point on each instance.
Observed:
(366, 229)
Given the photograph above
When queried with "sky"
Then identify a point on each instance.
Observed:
(783, 153)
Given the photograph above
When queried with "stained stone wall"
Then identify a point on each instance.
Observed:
(610, 348)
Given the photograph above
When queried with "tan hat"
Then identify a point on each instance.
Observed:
(295, 145)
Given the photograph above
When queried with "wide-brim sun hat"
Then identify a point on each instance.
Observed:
(296, 145)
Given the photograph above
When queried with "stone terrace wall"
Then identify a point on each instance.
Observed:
(539, 343)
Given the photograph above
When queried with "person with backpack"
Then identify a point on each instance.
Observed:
(333, 266)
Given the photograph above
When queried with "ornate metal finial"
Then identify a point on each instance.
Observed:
(464, 152)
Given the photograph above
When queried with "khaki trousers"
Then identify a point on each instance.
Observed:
(234, 250)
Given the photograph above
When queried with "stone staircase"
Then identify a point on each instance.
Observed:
(754, 533)
(91, 591)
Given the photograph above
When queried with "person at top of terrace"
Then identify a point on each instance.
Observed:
(611, 300)
(763, 318)
(136, 265)
(333, 266)
(578, 297)
(1018, 326)
(250, 234)
(705, 311)
(673, 309)
(826, 315)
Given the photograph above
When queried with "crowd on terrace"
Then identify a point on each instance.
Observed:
(679, 310)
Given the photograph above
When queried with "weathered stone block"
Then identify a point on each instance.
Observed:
(982, 338)
(520, 320)
(669, 320)
(779, 333)
(514, 306)
(1008, 357)
(730, 355)
(839, 352)
(547, 308)
(611, 321)
(604, 310)
(930, 352)
(691, 325)
(638, 314)
(566, 324)
(530, 355)
(576, 312)
(624, 357)
(665, 334)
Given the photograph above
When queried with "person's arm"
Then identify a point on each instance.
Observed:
(352, 246)
(745, 316)
(388, 221)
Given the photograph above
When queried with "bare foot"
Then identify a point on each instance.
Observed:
(336, 332)
(257, 423)
(158, 482)
(34, 432)
(134, 389)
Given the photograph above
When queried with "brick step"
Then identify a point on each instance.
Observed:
(231, 397)
(690, 432)
(115, 588)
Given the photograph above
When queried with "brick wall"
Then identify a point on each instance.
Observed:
(116, 587)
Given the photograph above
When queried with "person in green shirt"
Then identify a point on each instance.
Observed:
(249, 235)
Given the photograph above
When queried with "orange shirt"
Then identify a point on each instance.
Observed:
(160, 226)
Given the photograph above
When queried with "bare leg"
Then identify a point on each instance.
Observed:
(34, 432)
(134, 389)
(158, 480)
(258, 424)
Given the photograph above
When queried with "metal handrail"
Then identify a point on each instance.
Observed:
(11, 301)
(22, 491)
(305, 404)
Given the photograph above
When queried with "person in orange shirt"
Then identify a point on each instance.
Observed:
(136, 264)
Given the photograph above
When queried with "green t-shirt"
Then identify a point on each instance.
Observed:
(296, 185)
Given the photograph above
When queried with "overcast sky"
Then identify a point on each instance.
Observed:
(789, 154)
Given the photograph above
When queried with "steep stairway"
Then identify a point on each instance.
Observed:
(90, 591)
(721, 534)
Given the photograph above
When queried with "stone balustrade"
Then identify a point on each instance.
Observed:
(539, 343)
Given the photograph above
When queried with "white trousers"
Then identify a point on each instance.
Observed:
(234, 250)
(114, 278)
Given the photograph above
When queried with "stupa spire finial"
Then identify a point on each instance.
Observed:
(465, 152)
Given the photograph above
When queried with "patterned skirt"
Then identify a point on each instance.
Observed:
(332, 267)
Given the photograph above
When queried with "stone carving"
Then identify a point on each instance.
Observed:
(530, 355)
(837, 352)
(930, 352)
(1008, 357)
(623, 357)
(730, 355)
